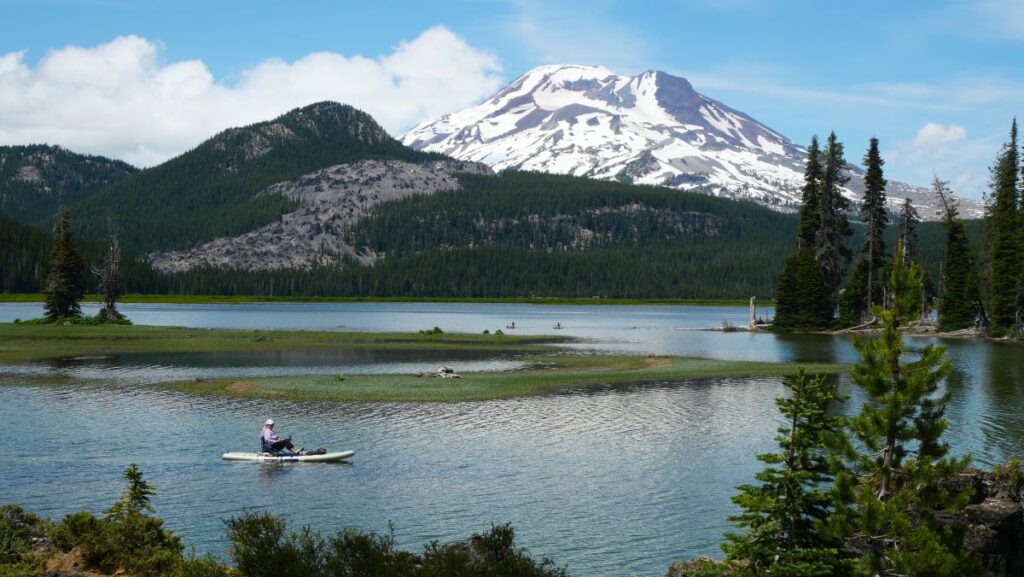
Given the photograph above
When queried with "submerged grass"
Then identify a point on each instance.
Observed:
(548, 374)
(29, 342)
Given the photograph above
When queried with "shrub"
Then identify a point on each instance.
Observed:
(73, 530)
(199, 567)
(1011, 472)
(125, 538)
(17, 528)
(20, 569)
(262, 546)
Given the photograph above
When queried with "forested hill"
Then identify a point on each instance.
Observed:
(213, 189)
(34, 178)
(528, 234)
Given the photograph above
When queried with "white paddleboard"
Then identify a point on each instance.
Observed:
(268, 458)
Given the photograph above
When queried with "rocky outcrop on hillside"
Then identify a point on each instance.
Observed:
(330, 200)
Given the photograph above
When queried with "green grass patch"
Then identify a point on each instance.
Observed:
(550, 374)
(33, 342)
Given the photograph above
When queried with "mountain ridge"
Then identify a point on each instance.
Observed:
(213, 189)
(653, 128)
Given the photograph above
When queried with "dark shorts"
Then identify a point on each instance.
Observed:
(282, 444)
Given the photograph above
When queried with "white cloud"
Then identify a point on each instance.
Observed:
(948, 152)
(934, 134)
(119, 99)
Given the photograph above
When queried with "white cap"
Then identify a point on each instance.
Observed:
(269, 422)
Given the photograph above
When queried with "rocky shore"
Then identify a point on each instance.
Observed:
(992, 525)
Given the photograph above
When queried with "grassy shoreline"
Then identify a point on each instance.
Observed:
(24, 342)
(242, 299)
(551, 374)
(547, 372)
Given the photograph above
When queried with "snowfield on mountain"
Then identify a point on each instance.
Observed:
(653, 128)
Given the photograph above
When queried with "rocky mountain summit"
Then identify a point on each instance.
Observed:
(653, 128)
(330, 200)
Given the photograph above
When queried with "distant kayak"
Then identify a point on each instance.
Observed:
(269, 458)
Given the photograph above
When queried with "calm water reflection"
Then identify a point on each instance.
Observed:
(612, 481)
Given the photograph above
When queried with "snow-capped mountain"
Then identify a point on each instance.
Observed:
(653, 128)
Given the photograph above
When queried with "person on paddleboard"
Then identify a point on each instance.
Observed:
(270, 441)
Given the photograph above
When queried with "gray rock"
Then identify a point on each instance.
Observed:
(330, 201)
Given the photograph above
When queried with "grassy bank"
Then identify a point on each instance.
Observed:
(547, 372)
(22, 342)
(550, 374)
(218, 299)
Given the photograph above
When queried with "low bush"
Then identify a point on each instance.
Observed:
(262, 546)
(17, 529)
(125, 538)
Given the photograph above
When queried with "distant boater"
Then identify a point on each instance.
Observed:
(270, 441)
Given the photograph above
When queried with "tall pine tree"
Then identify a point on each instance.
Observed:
(876, 219)
(65, 285)
(830, 249)
(908, 229)
(863, 289)
(801, 301)
(810, 207)
(781, 516)
(1004, 248)
(887, 495)
(960, 298)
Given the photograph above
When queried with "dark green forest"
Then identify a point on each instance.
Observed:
(515, 235)
(35, 178)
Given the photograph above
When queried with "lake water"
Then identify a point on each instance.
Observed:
(611, 481)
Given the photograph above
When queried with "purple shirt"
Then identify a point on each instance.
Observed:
(269, 435)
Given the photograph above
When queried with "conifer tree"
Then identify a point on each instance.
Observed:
(801, 301)
(863, 289)
(1004, 248)
(887, 495)
(960, 298)
(908, 230)
(65, 285)
(781, 516)
(810, 207)
(876, 219)
(136, 497)
(830, 250)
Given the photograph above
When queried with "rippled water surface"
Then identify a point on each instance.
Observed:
(613, 481)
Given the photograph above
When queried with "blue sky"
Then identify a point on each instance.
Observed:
(936, 82)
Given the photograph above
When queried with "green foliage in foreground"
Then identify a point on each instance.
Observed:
(828, 506)
(125, 538)
(129, 539)
(262, 546)
(782, 516)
